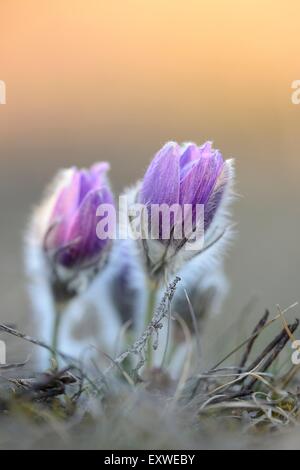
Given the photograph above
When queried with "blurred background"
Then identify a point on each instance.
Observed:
(113, 80)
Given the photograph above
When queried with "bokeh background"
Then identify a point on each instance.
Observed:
(114, 80)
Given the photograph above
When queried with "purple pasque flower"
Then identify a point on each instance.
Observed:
(71, 240)
(186, 175)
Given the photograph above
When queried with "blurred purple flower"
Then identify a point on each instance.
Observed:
(186, 174)
(71, 239)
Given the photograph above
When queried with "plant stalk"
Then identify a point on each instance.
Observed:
(153, 287)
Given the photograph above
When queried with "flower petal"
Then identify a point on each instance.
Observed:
(189, 154)
(198, 182)
(161, 181)
(98, 174)
(82, 244)
(65, 206)
(217, 194)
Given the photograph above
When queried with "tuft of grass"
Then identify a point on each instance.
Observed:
(249, 393)
(226, 406)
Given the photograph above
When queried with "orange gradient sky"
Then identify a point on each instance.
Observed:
(90, 73)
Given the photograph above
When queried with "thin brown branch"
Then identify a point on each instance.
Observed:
(271, 352)
(257, 330)
(68, 359)
(153, 327)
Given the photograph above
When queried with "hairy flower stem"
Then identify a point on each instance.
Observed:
(58, 313)
(153, 287)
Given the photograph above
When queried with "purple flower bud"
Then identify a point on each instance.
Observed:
(71, 239)
(186, 174)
